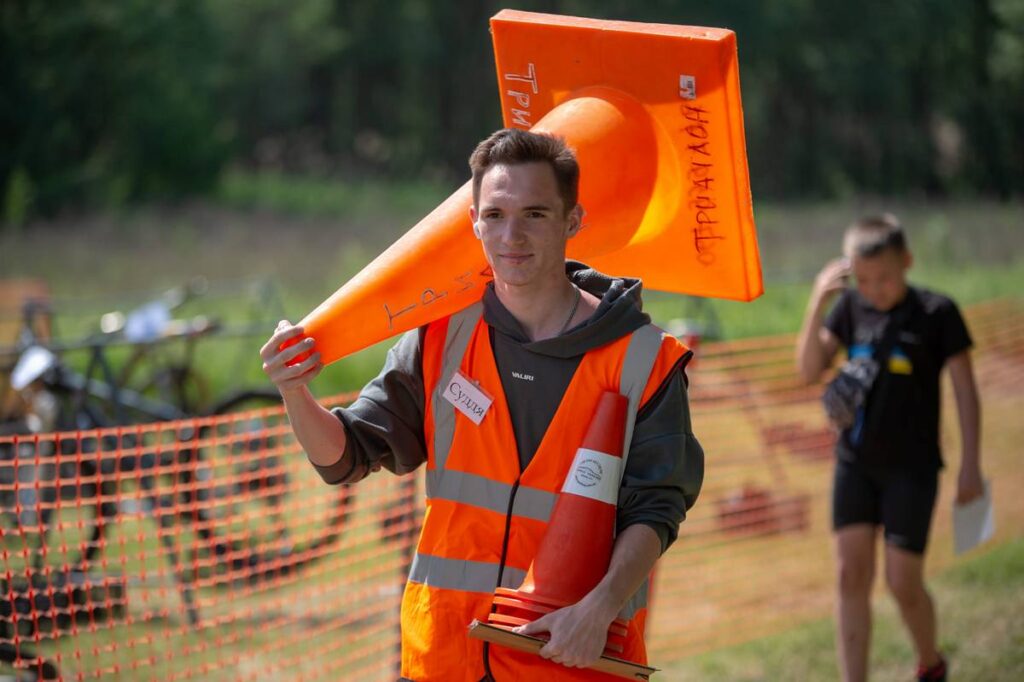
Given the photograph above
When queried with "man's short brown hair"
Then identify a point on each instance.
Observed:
(512, 146)
(872, 235)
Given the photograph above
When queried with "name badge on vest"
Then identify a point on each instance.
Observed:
(467, 397)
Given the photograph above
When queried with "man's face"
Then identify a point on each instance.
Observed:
(882, 279)
(521, 221)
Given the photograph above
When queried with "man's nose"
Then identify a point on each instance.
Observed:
(513, 232)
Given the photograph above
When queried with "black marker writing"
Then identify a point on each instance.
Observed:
(464, 399)
(428, 296)
(701, 193)
(465, 279)
(391, 317)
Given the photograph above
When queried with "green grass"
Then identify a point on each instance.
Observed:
(981, 624)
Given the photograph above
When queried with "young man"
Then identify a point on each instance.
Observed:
(887, 462)
(548, 338)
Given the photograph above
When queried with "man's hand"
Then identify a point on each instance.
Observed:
(830, 281)
(578, 632)
(287, 377)
(969, 485)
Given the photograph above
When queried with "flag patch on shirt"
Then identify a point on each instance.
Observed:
(899, 363)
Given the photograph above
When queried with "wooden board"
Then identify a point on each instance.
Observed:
(606, 664)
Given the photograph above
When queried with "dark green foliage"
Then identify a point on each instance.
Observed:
(108, 101)
(104, 101)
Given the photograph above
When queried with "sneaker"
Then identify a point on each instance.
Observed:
(936, 673)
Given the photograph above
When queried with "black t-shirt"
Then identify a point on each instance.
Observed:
(899, 427)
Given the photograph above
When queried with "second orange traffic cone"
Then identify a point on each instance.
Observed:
(576, 549)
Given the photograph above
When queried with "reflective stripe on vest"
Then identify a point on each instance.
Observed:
(644, 344)
(460, 332)
(466, 576)
(480, 576)
(485, 493)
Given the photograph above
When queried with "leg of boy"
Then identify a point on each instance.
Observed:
(855, 563)
(908, 501)
(904, 573)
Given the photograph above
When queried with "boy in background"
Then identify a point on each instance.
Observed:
(888, 460)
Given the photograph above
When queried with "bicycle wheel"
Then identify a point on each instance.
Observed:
(246, 490)
(53, 521)
(50, 497)
(27, 495)
(84, 461)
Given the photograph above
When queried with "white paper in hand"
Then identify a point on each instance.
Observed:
(974, 522)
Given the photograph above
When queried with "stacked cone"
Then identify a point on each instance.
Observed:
(576, 549)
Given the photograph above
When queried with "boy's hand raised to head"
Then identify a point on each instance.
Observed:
(816, 345)
(289, 377)
(831, 280)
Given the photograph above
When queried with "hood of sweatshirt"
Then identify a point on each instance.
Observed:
(620, 312)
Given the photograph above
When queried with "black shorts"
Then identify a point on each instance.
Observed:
(900, 501)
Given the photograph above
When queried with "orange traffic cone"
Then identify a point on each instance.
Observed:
(576, 549)
(654, 114)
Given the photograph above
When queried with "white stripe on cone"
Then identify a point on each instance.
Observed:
(595, 475)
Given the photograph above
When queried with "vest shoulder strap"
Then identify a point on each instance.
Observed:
(456, 341)
(641, 354)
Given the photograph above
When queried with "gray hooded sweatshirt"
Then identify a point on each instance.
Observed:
(665, 468)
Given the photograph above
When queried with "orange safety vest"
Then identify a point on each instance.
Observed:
(484, 517)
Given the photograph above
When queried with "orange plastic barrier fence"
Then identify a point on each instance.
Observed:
(210, 549)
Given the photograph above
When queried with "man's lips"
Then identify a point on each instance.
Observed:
(516, 258)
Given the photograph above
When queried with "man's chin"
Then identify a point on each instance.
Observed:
(512, 275)
(513, 282)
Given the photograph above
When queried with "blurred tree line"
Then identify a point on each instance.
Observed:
(108, 101)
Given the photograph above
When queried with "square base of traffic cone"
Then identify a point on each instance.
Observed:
(606, 664)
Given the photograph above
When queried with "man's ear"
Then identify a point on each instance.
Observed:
(575, 220)
(908, 260)
(473, 218)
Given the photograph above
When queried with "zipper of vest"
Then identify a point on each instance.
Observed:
(501, 564)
